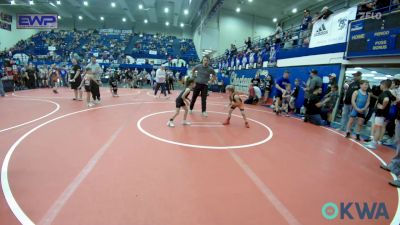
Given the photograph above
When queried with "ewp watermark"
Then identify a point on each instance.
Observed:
(355, 210)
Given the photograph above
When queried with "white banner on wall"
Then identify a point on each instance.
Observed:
(333, 30)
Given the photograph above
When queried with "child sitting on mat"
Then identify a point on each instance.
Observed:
(183, 101)
(235, 102)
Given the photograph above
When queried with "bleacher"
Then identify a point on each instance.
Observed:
(290, 47)
(57, 46)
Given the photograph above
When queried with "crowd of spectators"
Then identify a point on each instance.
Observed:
(295, 36)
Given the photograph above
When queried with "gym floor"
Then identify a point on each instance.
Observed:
(118, 163)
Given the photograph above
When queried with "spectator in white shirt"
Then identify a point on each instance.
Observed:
(161, 81)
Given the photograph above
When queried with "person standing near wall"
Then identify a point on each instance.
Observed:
(354, 86)
(280, 89)
(202, 74)
(313, 81)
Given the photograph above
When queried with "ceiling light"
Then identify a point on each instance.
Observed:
(294, 10)
(12, 2)
(166, 9)
(124, 19)
(113, 4)
(85, 3)
(238, 9)
(250, 0)
(351, 71)
(374, 72)
(358, 68)
(274, 20)
(52, 4)
(167, 23)
(186, 11)
(59, 17)
(146, 21)
(31, 3)
(58, 2)
(80, 17)
(101, 18)
(140, 6)
(389, 76)
(182, 24)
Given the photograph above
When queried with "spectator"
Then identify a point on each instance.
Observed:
(330, 100)
(364, 8)
(278, 34)
(252, 99)
(268, 84)
(295, 94)
(280, 89)
(313, 81)
(360, 103)
(354, 86)
(256, 80)
(305, 26)
(325, 13)
(382, 111)
(248, 44)
(313, 110)
(332, 81)
(374, 93)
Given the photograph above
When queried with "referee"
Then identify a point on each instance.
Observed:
(201, 74)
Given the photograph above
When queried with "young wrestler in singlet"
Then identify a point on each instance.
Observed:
(235, 102)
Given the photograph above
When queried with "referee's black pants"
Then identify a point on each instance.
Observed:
(200, 89)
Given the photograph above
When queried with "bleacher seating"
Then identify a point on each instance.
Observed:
(109, 47)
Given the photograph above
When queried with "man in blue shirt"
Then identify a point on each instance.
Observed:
(305, 27)
(280, 86)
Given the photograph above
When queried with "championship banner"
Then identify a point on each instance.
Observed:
(333, 30)
(37, 21)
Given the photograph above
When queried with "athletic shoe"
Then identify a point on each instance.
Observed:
(370, 145)
(170, 124)
(74, 99)
(55, 91)
(205, 114)
(347, 135)
(190, 111)
(97, 101)
(247, 124)
(90, 104)
(389, 142)
(185, 122)
(358, 137)
(226, 122)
